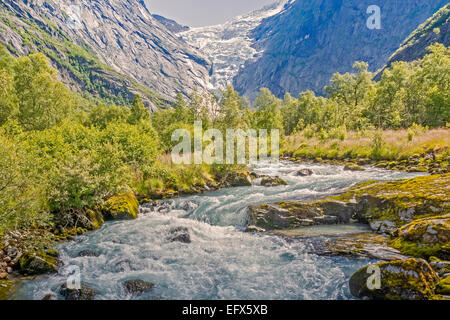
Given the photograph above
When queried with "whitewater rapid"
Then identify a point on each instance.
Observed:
(222, 261)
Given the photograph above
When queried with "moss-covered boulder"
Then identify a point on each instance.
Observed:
(121, 207)
(353, 167)
(95, 218)
(273, 182)
(237, 179)
(443, 287)
(290, 215)
(5, 287)
(425, 237)
(399, 202)
(442, 267)
(34, 263)
(411, 279)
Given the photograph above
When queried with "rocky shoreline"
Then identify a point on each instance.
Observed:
(408, 218)
(411, 217)
(430, 161)
(32, 253)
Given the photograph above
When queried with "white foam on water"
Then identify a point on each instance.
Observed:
(221, 262)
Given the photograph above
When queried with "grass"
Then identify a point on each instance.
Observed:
(387, 145)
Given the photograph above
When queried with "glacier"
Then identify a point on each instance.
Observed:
(230, 45)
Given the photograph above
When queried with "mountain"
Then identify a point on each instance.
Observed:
(305, 43)
(110, 48)
(230, 45)
(170, 24)
(434, 30)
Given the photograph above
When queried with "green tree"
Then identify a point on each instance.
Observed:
(42, 101)
(389, 109)
(8, 106)
(139, 112)
(233, 110)
(101, 115)
(350, 91)
(434, 76)
(268, 114)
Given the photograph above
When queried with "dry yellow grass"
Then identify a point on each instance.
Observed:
(395, 145)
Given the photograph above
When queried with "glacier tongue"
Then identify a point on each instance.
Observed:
(230, 45)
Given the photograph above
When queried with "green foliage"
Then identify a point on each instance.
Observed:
(377, 144)
(42, 101)
(139, 113)
(268, 114)
(407, 94)
(101, 115)
(20, 188)
(62, 154)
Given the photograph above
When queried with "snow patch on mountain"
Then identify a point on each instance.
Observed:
(230, 45)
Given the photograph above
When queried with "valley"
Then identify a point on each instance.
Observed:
(97, 96)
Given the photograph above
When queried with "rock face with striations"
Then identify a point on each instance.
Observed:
(306, 43)
(133, 49)
(434, 30)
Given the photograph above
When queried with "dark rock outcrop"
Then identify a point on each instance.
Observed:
(304, 173)
(138, 287)
(88, 253)
(170, 24)
(179, 234)
(84, 293)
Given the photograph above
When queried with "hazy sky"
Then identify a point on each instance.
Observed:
(196, 13)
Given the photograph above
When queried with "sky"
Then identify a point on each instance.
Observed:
(199, 13)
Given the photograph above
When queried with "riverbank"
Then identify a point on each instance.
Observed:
(412, 215)
(125, 206)
(201, 237)
(413, 150)
(31, 252)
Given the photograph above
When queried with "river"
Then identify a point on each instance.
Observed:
(222, 261)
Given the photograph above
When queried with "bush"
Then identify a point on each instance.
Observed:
(20, 189)
(377, 144)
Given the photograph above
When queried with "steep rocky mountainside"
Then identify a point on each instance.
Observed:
(308, 41)
(230, 45)
(434, 30)
(112, 48)
(170, 24)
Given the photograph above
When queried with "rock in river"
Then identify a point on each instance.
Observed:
(84, 293)
(304, 173)
(179, 234)
(273, 182)
(411, 279)
(88, 253)
(289, 215)
(137, 286)
(121, 207)
(38, 263)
